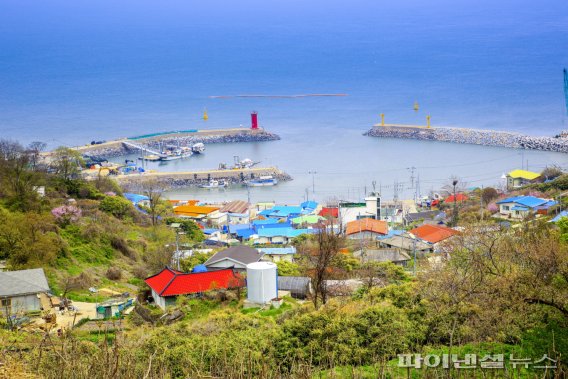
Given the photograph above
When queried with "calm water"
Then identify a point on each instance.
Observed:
(71, 72)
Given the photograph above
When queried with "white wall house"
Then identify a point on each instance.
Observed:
(19, 290)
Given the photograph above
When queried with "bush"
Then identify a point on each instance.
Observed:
(117, 206)
(121, 245)
(114, 273)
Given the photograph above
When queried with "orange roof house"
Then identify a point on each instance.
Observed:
(194, 211)
(433, 233)
(367, 225)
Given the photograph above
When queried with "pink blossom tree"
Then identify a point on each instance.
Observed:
(66, 214)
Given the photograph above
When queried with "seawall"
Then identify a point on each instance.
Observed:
(194, 178)
(471, 136)
(116, 147)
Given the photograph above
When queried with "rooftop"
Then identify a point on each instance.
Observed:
(240, 254)
(169, 282)
(433, 233)
(367, 225)
(23, 282)
(523, 174)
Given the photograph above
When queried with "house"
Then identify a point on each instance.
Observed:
(307, 220)
(300, 287)
(137, 199)
(366, 228)
(279, 235)
(459, 198)
(396, 256)
(168, 284)
(277, 254)
(20, 290)
(282, 212)
(237, 211)
(433, 233)
(406, 243)
(236, 257)
(433, 215)
(519, 207)
(519, 178)
(329, 212)
(201, 213)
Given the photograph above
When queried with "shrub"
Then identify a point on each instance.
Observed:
(66, 214)
(117, 206)
(114, 273)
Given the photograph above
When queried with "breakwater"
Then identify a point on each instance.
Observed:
(174, 180)
(116, 148)
(471, 136)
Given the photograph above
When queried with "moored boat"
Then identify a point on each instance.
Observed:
(198, 148)
(263, 181)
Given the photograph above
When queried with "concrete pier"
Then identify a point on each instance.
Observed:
(193, 178)
(470, 136)
(117, 147)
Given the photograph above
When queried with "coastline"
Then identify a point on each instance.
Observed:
(470, 136)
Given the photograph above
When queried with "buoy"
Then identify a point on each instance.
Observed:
(205, 116)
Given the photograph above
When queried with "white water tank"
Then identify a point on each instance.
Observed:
(262, 282)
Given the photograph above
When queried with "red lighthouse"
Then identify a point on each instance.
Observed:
(254, 120)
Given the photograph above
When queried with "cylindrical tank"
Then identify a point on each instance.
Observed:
(254, 120)
(262, 282)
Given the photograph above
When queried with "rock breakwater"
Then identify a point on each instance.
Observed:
(474, 137)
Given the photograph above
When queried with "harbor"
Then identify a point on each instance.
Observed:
(482, 137)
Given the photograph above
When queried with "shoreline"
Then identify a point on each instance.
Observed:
(481, 137)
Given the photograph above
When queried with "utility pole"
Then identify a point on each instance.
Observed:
(313, 173)
(412, 169)
(455, 213)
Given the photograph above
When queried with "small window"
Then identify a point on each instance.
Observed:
(6, 303)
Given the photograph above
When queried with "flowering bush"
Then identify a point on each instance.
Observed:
(66, 214)
(492, 207)
(110, 193)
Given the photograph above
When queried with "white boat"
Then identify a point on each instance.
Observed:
(214, 184)
(176, 154)
(263, 181)
(198, 148)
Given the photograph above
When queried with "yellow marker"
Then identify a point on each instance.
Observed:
(428, 121)
(382, 119)
(416, 106)
(205, 116)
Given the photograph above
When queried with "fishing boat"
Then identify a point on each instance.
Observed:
(180, 153)
(198, 148)
(263, 181)
(214, 184)
(151, 158)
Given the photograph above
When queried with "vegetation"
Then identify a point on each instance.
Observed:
(491, 291)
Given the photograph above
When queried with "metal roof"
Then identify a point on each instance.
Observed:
(241, 254)
(23, 282)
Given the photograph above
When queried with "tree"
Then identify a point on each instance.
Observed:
(488, 194)
(17, 179)
(320, 255)
(117, 206)
(286, 268)
(66, 162)
(156, 207)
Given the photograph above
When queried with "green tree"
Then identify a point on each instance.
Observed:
(286, 268)
(66, 162)
(117, 206)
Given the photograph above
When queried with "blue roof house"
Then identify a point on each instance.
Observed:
(279, 235)
(277, 254)
(519, 207)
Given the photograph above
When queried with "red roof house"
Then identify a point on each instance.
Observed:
(329, 212)
(433, 233)
(169, 283)
(460, 198)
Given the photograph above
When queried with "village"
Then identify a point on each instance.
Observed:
(256, 247)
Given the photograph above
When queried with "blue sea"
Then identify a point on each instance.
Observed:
(76, 71)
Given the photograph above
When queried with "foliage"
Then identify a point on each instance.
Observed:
(117, 206)
(191, 230)
(286, 268)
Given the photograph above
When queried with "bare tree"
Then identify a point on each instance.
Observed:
(320, 256)
(157, 207)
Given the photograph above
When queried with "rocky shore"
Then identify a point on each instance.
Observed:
(119, 149)
(473, 136)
